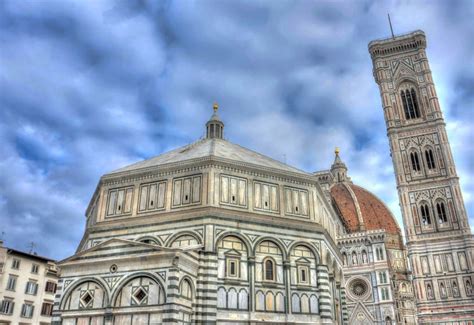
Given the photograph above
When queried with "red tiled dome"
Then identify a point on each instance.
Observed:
(357, 205)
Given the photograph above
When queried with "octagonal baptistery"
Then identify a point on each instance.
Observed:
(208, 233)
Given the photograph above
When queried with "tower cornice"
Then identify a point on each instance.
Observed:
(398, 44)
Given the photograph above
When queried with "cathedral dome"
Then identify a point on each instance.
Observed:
(362, 210)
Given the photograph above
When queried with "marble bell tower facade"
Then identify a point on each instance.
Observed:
(439, 240)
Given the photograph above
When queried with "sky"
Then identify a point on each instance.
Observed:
(87, 87)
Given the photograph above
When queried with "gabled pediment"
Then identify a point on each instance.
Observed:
(303, 260)
(361, 316)
(233, 252)
(120, 247)
(403, 69)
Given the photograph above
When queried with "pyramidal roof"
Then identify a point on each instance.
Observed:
(211, 147)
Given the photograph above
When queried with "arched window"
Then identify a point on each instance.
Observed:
(440, 208)
(415, 161)
(410, 103)
(186, 289)
(425, 215)
(430, 162)
(344, 258)
(269, 269)
(388, 321)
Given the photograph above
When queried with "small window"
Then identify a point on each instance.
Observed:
(31, 288)
(11, 284)
(303, 274)
(425, 215)
(47, 309)
(6, 307)
(16, 264)
(430, 162)
(442, 217)
(186, 289)
(269, 269)
(27, 310)
(35, 268)
(232, 267)
(415, 162)
(50, 287)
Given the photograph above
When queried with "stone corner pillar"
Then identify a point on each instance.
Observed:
(325, 300)
(172, 313)
(206, 290)
(345, 313)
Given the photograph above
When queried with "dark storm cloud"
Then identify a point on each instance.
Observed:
(90, 86)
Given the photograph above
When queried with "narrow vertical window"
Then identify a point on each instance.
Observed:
(410, 103)
(430, 159)
(269, 270)
(416, 111)
(442, 217)
(405, 104)
(425, 215)
(232, 267)
(415, 162)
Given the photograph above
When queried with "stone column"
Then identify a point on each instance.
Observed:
(287, 277)
(206, 292)
(251, 275)
(325, 301)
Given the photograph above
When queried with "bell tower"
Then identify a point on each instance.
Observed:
(439, 240)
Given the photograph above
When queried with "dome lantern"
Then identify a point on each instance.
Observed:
(215, 127)
(339, 169)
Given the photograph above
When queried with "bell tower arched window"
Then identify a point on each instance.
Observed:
(440, 208)
(425, 215)
(430, 162)
(410, 103)
(415, 162)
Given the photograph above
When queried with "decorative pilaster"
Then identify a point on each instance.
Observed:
(324, 292)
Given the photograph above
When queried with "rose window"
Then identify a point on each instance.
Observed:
(359, 288)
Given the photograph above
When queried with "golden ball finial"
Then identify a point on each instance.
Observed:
(215, 107)
(337, 150)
